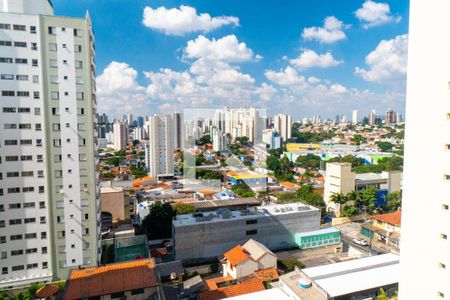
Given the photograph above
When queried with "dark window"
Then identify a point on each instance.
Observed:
(137, 291)
(249, 222)
(251, 232)
(117, 295)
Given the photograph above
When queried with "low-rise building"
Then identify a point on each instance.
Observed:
(355, 279)
(242, 261)
(115, 201)
(130, 280)
(384, 228)
(208, 235)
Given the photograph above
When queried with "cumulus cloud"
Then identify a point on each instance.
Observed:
(285, 77)
(375, 13)
(387, 61)
(309, 58)
(183, 20)
(330, 32)
(227, 48)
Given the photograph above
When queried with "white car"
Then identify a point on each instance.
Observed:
(361, 242)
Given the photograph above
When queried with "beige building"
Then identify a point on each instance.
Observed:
(115, 201)
(340, 178)
(243, 261)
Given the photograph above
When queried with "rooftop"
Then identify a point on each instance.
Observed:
(96, 281)
(394, 218)
(222, 214)
(247, 286)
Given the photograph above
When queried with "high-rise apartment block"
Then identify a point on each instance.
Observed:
(283, 124)
(49, 197)
(391, 117)
(355, 116)
(372, 117)
(177, 130)
(159, 147)
(425, 244)
(120, 131)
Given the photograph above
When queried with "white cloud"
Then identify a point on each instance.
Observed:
(332, 31)
(387, 61)
(309, 58)
(286, 77)
(184, 20)
(375, 13)
(227, 49)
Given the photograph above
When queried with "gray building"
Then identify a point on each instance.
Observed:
(206, 235)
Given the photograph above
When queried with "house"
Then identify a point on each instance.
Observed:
(384, 228)
(225, 287)
(288, 186)
(115, 201)
(130, 280)
(242, 261)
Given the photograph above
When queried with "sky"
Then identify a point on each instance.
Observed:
(301, 57)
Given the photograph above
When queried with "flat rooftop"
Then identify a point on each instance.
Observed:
(221, 215)
(370, 177)
(345, 277)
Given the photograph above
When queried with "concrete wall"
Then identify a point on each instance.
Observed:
(339, 178)
(116, 203)
(210, 239)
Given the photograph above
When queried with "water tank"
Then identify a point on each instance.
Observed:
(304, 283)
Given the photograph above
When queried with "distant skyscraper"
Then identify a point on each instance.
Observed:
(219, 139)
(372, 117)
(283, 124)
(120, 130)
(391, 117)
(48, 184)
(272, 138)
(425, 234)
(140, 121)
(159, 149)
(177, 130)
(355, 116)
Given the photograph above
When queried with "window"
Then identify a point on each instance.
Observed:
(32, 29)
(51, 30)
(45, 265)
(14, 206)
(56, 127)
(29, 205)
(28, 189)
(6, 60)
(12, 158)
(16, 252)
(60, 219)
(2, 239)
(54, 79)
(23, 94)
(35, 78)
(43, 235)
(22, 61)
(55, 95)
(137, 291)
(251, 232)
(23, 109)
(34, 46)
(53, 63)
(37, 127)
(77, 48)
(29, 220)
(5, 26)
(117, 295)
(9, 109)
(6, 43)
(26, 142)
(32, 266)
(55, 111)
(10, 142)
(22, 77)
(9, 126)
(29, 236)
(43, 220)
(7, 77)
(8, 93)
(2, 207)
(4, 270)
(445, 206)
(57, 142)
(36, 95)
(4, 255)
(15, 221)
(41, 189)
(52, 46)
(2, 223)
(17, 268)
(79, 80)
(26, 157)
(39, 158)
(81, 127)
(76, 32)
(12, 174)
(20, 44)
(37, 111)
(16, 237)
(80, 111)
(443, 236)
(19, 27)
(249, 222)
(78, 64)
(44, 250)
(80, 95)
(34, 62)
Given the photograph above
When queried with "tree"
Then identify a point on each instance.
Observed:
(115, 161)
(205, 139)
(382, 295)
(138, 171)
(350, 211)
(120, 153)
(340, 199)
(309, 161)
(158, 223)
(304, 190)
(183, 208)
(358, 139)
(385, 146)
(243, 190)
(369, 199)
(394, 201)
(200, 160)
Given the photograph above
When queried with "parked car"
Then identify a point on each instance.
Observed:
(361, 242)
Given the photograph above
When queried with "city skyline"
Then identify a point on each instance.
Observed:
(329, 60)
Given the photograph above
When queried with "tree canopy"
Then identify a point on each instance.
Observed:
(158, 223)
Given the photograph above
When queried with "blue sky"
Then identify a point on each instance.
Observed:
(159, 56)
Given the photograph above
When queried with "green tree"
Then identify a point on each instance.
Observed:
(243, 190)
(385, 146)
(114, 161)
(382, 295)
(273, 163)
(138, 171)
(309, 161)
(120, 153)
(350, 211)
(369, 198)
(200, 160)
(358, 139)
(205, 139)
(394, 201)
(340, 199)
(158, 223)
(183, 208)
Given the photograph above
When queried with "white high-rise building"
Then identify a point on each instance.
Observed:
(272, 138)
(120, 130)
(425, 234)
(283, 124)
(355, 116)
(49, 196)
(138, 133)
(240, 122)
(159, 149)
(177, 130)
(372, 117)
(219, 139)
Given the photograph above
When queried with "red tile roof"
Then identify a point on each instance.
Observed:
(394, 218)
(97, 281)
(269, 274)
(237, 255)
(251, 285)
(47, 291)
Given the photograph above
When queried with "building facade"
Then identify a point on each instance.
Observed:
(212, 234)
(283, 124)
(120, 131)
(48, 209)
(425, 205)
(159, 148)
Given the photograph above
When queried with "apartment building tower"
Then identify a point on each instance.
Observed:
(283, 124)
(159, 147)
(120, 131)
(49, 217)
(425, 244)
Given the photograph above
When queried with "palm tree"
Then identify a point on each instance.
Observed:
(340, 199)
